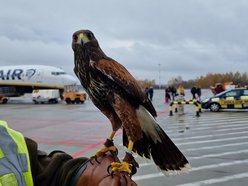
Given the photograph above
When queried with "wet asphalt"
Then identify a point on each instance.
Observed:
(216, 144)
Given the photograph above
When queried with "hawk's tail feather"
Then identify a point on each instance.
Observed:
(167, 156)
(164, 152)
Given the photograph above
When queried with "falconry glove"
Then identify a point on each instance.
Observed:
(97, 172)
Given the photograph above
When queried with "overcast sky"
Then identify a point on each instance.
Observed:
(189, 38)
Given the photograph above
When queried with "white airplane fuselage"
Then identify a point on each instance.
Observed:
(24, 78)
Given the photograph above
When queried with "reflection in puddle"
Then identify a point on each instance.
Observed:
(183, 126)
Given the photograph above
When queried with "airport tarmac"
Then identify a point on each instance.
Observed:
(216, 144)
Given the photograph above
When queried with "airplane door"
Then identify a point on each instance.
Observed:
(39, 77)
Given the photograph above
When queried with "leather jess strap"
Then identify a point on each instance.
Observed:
(97, 172)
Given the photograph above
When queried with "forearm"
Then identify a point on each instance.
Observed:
(53, 169)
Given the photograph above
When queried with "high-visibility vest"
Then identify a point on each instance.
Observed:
(15, 169)
(180, 90)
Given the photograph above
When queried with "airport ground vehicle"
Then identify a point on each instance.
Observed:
(236, 98)
(45, 96)
(3, 100)
(72, 94)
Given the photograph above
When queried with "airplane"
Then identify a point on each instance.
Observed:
(18, 80)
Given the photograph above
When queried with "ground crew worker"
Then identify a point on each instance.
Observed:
(193, 92)
(15, 166)
(22, 164)
(180, 90)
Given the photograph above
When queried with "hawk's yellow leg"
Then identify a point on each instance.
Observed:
(108, 145)
(125, 165)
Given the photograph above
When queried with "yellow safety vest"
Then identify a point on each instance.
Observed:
(15, 169)
(180, 90)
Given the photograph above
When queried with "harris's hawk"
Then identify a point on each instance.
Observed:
(116, 93)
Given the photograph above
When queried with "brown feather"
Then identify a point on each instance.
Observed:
(124, 79)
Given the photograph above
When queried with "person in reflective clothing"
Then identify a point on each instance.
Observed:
(14, 158)
(22, 164)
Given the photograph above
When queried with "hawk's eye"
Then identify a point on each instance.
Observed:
(90, 36)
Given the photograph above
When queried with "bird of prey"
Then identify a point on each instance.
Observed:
(117, 94)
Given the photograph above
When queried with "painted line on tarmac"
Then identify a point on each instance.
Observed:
(93, 146)
(194, 127)
(160, 174)
(222, 126)
(215, 147)
(163, 112)
(217, 180)
(77, 154)
(232, 129)
(61, 142)
(221, 121)
(218, 154)
(218, 119)
(210, 136)
(211, 141)
(204, 156)
(72, 142)
(214, 132)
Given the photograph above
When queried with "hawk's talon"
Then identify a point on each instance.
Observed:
(121, 167)
(114, 152)
(90, 159)
(97, 160)
(106, 149)
(109, 170)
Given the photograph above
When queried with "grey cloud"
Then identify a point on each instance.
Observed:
(188, 38)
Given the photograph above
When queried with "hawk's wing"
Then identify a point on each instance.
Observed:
(119, 75)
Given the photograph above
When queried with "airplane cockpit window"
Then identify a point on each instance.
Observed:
(58, 73)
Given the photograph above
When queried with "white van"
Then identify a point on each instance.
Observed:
(45, 96)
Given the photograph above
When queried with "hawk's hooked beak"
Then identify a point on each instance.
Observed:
(82, 39)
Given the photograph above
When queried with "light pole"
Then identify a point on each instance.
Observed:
(159, 82)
